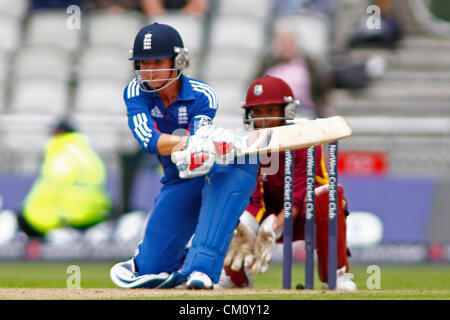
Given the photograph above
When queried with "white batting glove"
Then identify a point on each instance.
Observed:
(199, 158)
(223, 139)
(264, 243)
(240, 252)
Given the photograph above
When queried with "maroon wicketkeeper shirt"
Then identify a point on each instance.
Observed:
(268, 195)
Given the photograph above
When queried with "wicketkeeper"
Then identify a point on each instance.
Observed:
(270, 102)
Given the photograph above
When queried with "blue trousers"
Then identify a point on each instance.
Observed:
(210, 207)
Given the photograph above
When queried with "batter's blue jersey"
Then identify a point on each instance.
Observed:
(195, 106)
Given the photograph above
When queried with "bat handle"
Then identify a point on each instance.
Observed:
(178, 156)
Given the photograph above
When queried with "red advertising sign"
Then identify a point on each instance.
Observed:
(363, 163)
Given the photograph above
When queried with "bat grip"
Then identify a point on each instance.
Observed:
(178, 156)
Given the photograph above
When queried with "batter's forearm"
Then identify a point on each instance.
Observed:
(168, 143)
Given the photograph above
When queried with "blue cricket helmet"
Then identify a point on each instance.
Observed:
(156, 41)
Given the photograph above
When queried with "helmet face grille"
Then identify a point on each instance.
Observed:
(146, 85)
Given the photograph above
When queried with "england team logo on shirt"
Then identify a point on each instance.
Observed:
(258, 89)
(182, 115)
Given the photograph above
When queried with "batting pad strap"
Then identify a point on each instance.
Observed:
(249, 221)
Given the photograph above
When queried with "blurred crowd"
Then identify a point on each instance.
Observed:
(231, 44)
(151, 8)
(296, 46)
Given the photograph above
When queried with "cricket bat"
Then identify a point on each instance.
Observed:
(288, 137)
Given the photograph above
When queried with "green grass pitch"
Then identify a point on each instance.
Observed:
(425, 281)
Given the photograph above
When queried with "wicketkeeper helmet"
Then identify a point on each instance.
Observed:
(270, 90)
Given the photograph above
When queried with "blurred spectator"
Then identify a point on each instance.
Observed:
(327, 7)
(131, 164)
(54, 4)
(310, 78)
(387, 36)
(70, 191)
(286, 61)
(352, 75)
(440, 9)
(115, 6)
(154, 8)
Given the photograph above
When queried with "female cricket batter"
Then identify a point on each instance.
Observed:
(269, 102)
(164, 107)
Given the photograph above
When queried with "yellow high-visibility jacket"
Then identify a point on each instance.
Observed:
(70, 190)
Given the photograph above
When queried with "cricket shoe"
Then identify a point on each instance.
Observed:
(199, 280)
(344, 281)
(234, 279)
(124, 275)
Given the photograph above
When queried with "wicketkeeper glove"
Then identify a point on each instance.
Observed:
(268, 233)
(199, 157)
(240, 252)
